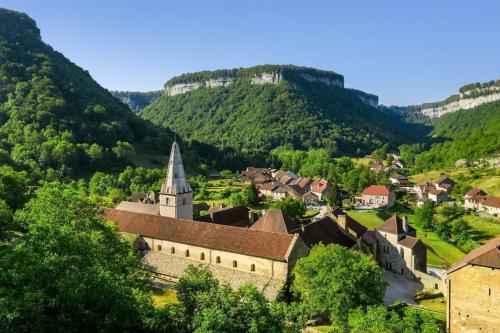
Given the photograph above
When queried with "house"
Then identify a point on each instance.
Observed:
(473, 291)
(423, 189)
(489, 205)
(170, 240)
(378, 196)
(274, 220)
(398, 164)
(268, 188)
(320, 187)
(471, 198)
(437, 196)
(399, 250)
(399, 180)
(446, 184)
(279, 193)
(310, 199)
(365, 240)
(376, 167)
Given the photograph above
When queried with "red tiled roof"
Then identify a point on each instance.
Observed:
(435, 191)
(491, 202)
(410, 242)
(325, 231)
(319, 185)
(487, 255)
(381, 190)
(473, 192)
(268, 186)
(394, 225)
(233, 216)
(214, 236)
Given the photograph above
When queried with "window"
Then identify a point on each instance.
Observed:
(202, 256)
(159, 247)
(172, 250)
(402, 271)
(402, 252)
(252, 268)
(167, 201)
(435, 286)
(217, 260)
(187, 253)
(235, 263)
(489, 291)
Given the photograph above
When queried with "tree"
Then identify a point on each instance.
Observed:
(380, 153)
(5, 218)
(401, 319)
(335, 279)
(13, 189)
(424, 215)
(334, 196)
(101, 183)
(70, 271)
(291, 207)
(210, 307)
(123, 150)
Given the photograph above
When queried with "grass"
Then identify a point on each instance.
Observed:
(362, 161)
(161, 297)
(486, 179)
(484, 228)
(436, 304)
(442, 253)
(322, 328)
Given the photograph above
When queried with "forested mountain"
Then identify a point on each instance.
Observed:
(54, 118)
(471, 134)
(260, 108)
(137, 100)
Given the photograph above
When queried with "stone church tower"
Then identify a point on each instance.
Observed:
(176, 195)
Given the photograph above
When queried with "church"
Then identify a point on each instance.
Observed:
(170, 240)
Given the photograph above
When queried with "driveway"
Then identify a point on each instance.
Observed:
(399, 289)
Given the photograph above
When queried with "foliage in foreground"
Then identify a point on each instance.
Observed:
(69, 271)
(334, 279)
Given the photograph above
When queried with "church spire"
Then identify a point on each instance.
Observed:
(175, 182)
(176, 195)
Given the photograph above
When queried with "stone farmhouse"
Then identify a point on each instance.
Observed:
(283, 184)
(377, 196)
(171, 240)
(476, 199)
(446, 184)
(437, 196)
(473, 291)
(399, 180)
(399, 250)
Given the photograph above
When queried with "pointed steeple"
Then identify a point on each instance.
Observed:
(175, 181)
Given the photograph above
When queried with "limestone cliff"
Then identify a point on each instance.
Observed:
(264, 74)
(467, 99)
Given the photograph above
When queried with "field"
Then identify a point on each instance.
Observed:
(439, 253)
(160, 297)
(486, 179)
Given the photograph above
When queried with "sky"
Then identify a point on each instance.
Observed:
(406, 52)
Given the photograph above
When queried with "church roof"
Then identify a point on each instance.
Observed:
(233, 216)
(487, 255)
(139, 207)
(325, 231)
(274, 220)
(210, 235)
(394, 225)
(175, 181)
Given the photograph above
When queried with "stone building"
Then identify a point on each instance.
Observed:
(398, 249)
(170, 240)
(233, 254)
(378, 196)
(473, 291)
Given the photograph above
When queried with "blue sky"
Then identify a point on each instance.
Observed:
(406, 52)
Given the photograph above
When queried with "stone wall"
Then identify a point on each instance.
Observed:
(463, 103)
(473, 300)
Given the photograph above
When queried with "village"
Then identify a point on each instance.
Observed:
(172, 234)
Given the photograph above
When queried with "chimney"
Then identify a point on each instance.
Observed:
(405, 224)
(342, 221)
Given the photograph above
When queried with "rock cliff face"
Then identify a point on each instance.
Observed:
(267, 77)
(372, 101)
(467, 100)
(325, 80)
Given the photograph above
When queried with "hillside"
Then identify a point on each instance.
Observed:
(53, 116)
(135, 100)
(260, 108)
(471, 134)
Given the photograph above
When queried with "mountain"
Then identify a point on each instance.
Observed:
(257, 109)
(470, 134)
(137, 100)
(53, 116)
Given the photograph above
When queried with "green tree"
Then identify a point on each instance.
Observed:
(5, 218)
(13, 189)
(424, 215)
(123, 150)
(101, 183)
(334, 196)
(335, 279)
(70, 271)
(291, 207)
